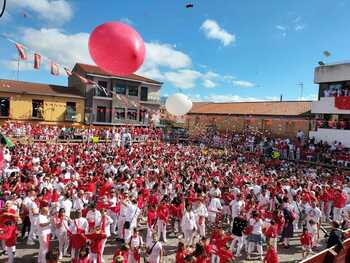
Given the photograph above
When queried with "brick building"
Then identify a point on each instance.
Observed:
(278, 118)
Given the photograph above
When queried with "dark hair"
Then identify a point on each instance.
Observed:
(52, 256)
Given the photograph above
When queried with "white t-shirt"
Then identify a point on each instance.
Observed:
(67, 205)
(214, 206)
(154, 257)
(43, 231)
(107, 225)
(257, 226)
(236, 207)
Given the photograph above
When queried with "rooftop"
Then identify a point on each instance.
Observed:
(21, 87)
(91, 69)
(277, 108)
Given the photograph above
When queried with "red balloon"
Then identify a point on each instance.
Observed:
(117, 48)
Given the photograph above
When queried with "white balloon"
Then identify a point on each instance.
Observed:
(178, 104)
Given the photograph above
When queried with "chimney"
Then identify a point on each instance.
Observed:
(281, 97)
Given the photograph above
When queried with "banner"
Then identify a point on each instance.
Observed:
(21, 52)
(37, 61)
(342, 103)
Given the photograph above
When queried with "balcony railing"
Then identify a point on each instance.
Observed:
(71, 116)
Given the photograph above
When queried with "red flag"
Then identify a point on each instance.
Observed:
(84, 80)
(21, 52)
(55, 69)
(37, 61)
(69, 73)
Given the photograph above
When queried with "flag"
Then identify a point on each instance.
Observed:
(68, 72)
(6, 141)
(37, 61)
(55, 69)
(85, 80)
(21, 52)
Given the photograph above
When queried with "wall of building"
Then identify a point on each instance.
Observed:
(54, 107)
(283, 127)
(326, 105)
(332, 73)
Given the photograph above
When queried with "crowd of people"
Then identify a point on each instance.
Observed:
(234, 202)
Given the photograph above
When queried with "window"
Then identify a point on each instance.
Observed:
(144, 93)
(133, 91)
(101, 92)
(119, 88)
(37, 109)
(101, 114)
(120, 113)
(132, 114)
(143, 116)
(71, 111)
(4, 107)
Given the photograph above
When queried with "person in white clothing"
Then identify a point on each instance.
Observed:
(214, 208)
(44, 234)
(188, 225)
(255, 238)
(201, 213)
(30, 204)
(236, 206)
(93, 217)
(60, 222)
(135, 245)
(78, 223)
(105, 225)
(124, 206)
(155, 251)
(67, 204)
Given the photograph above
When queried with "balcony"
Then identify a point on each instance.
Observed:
(70, 116)
(151, 100)
(331, 135)
(326, 105)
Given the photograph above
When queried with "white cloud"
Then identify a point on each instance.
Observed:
(212, 30)
(162, 56)
(52, 11)
(224, 98)
(62, 48)
(183, 78)
(243, 83)
(282, 28)
(299, 27)
(310, 97)
(209, 83)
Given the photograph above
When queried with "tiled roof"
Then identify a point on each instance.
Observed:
(21, 87)
(284, 108)
(90, 69)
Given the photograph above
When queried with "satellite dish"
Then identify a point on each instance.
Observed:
(327, 53)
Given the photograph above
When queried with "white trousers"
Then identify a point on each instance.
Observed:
(188, 234)
(337, 213)
(62, 243)
(161, 227)
(43, 248)
(11, 253)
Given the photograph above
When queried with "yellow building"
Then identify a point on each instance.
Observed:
(26, 101)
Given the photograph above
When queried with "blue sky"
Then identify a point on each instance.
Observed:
(222, 50)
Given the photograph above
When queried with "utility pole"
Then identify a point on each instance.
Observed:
(301, 84)
(18, 68)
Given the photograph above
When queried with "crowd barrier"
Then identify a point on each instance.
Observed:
(28, 140)
(332, 255)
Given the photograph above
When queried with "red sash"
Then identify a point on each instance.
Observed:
(78, 239)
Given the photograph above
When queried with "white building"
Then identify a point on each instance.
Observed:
(332, 110)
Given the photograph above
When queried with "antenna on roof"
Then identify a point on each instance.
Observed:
(281, 97)
(301, 84)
